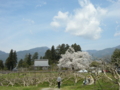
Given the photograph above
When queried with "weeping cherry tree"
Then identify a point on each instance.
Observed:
(74, 60)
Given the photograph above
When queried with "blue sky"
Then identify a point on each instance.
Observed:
(26, 24)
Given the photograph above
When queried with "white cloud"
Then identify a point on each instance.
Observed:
(55, 24)
(61, 15)
(60, 20)
(85, 21)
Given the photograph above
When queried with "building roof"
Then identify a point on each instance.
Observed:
(41, 62)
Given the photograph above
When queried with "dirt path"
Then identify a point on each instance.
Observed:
(91, 80)
(50, 89)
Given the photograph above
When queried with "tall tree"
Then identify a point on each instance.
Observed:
(14, 58)
(53, 55)
(7, 63)
(20, 64)
(115, 58)
(66, 47)
(11, 60)
(58, 52)
(47, 54)
(35, 56)
(1, 64)
(76, 47)
(25, 61)
(29, 59)
(62, 49)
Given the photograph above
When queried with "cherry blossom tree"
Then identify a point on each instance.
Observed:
(74, 60)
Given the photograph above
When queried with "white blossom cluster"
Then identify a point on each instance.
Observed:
(76, 60)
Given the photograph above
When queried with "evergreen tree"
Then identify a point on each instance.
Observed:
(58, 55)
(1, 64)
(20, 64)
(25, 61)
(66, 47)
(53, 55)
(76, 47)
(11, 61)
(35, 56)
(47, 54)
(62, 49)
(14, 58)
(7, 63)
(29, 59)
(58, 49)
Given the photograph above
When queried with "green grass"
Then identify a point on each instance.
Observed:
(102, 84)
(68, 86)
(39, 87)
(19, 88)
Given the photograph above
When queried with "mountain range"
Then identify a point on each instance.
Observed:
(41, 51)
(21, 54)
(103, 53)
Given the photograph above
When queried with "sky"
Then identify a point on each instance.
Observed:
(27, 24)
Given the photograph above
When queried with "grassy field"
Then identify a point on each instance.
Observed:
(20, 88)
(68, 86)
(101, 84)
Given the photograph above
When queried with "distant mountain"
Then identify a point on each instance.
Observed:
(21, 54)
(103, 53)
(92, 51)
(41, 51)
(3, 55)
